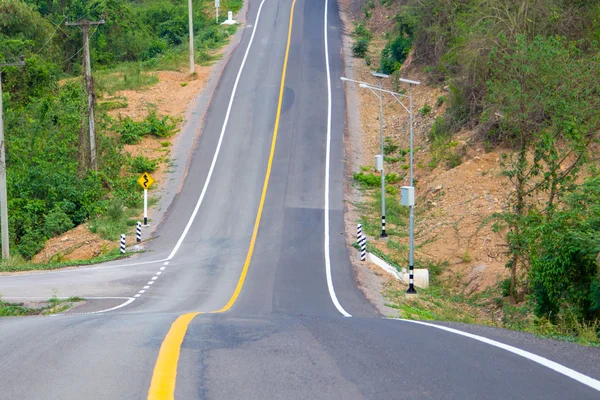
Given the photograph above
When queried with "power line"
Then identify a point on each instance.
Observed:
(51, 36)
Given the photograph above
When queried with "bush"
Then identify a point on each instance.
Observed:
(57, 222)
(360, 48)
(141, 164)
(426, 109)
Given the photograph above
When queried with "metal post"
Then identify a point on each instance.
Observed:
(411, 209)
(3, 196)
(145, 206)
(383, 233)
(191, 20)
(122, 243)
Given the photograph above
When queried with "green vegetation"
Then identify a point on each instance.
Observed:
(363, 37)
(52, 306)
(48, 189)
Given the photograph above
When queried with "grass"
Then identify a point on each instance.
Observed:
(54, 305)
(127, 76)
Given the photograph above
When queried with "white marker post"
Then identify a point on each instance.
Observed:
(146, 207)
(217, 4)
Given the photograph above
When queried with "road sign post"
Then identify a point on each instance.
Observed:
(217, 4)
(145, 182)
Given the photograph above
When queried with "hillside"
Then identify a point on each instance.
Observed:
(506, 138)
(142, 84)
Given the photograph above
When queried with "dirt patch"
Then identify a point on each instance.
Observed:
(77, 244)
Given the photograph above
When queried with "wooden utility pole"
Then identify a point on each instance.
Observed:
(89, 85)
(3, 196)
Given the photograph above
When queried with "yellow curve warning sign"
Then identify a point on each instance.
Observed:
(145, 180)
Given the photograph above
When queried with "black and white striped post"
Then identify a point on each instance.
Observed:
(138, 232)
(383, 234)
(122, 243)
(363, 248)
(358, 233)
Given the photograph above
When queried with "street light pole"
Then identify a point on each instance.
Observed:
(379, 93)
(411, 209)
(380, 77)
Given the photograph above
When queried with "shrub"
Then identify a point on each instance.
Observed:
(360, 48)
(57, 222)
(141, 164)
(426, 109)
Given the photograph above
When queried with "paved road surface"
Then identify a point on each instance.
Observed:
(280, 334)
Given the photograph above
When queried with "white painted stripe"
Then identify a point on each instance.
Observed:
(142, 291)
(80, 269)
(136, 295)
(128, 302)
(332, 294)
(561, 369)
(158, 273)
(154, 278)
(217, 150)
(150, 282)
(146, 287)
(166, 263)
(162, 268)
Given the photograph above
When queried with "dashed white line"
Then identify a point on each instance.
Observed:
(158, 273)
(162, 268)
(154, 278)
(146, 287)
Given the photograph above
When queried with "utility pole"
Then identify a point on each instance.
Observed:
(89, 85)
(3, 196)
(191, 20)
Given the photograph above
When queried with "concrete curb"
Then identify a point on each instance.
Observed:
(421, 276)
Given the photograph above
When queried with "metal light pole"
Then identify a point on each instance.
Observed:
(380, 77)
(379, 94)
(411, 209)
(191, 20)
(409, 109)
(3, 196)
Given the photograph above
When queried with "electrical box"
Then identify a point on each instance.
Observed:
(407, 196)
(379, 162)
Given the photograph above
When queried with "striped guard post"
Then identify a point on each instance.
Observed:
(411, 279)
(358, 233)
(122, 244)
(138, 232)
(383, 233)
(363, 248)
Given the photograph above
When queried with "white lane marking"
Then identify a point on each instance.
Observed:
(158, 273)
(146, 287)
(150, 282)
(162, 268)
(131, 299)
(136, 295)
(166, 263)
(561, 369)
(327, 157)
(217, 150)
(142, 291)
(154, 278)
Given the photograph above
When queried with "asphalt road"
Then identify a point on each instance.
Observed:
(271, 327)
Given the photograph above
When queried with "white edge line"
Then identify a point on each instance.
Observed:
(80, 268)
(561, 369)
(217, 150)
(334, 298)
(128, 302)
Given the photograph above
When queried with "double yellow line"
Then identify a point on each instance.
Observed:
(164, 376)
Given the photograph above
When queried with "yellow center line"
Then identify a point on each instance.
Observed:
(164, 377)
